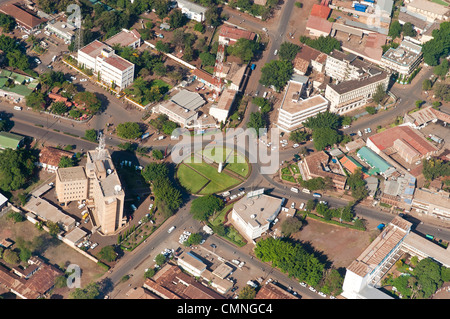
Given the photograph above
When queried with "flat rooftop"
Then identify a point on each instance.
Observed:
(258, 209)
(70, 174)
(124, 38)
(294, 104)
(374, 254)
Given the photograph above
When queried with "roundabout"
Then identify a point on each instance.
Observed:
(212, 170)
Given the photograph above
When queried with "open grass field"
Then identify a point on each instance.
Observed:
(194, 176)
(190, 179)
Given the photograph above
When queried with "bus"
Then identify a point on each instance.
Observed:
(430, 237)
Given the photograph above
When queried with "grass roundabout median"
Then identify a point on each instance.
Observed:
(199, 175)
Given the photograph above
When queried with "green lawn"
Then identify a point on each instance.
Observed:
(441, 2)
(219, 181)
(238, 165)
(192, 181)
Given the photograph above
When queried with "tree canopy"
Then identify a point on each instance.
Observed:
(129, 130)
(437, 47)
(323, 44)
(16, 167)
(205, 206)
(288, 51)
(276, 73)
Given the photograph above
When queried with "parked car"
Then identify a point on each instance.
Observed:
(302, 284)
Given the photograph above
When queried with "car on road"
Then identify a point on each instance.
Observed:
(359, 133)
(295, 145)
(346, 126)
(322, 294)
(295, 190)
(171, 229)
(213, 245)
(256, 93)
(317, 195)
(369, 130)
(312, 289)
(352, 134)
(323, 202)
(275, 52)
(303, 284)
(83, 80)
(241, 189)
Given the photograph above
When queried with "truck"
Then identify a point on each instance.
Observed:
(171, 229)
(381, 226)
(252, 284)
(145, 135)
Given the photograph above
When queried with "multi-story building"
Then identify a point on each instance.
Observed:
(294, 110)
(434, 204)
(62, 30)
(182, 107)
(98, 183)
(125, 38)
(71, 184)
(308, 58)
(319, 164)
(253, 215)
(404, 59)
(192, 10)
(349, 95)
(229, 35)
(343, 66)
(221, 110)
(25, 19)
(110, 68)
(431, 10)
(105, 190)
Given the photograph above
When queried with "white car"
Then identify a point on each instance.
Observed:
(295, 145)
(83, 80)
(322, 294)
(346, 126)
(369, 130)
(302, 284)
(312, 289)
(150, 207)
(293, 205)
(94, 245)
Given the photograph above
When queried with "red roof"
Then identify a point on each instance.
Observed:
(319, 24)
(235, 33)
(387, 138)
(23, 17)
(320, 11)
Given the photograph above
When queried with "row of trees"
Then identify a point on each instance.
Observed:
(13, 54)
(434, 168)
(168, 198)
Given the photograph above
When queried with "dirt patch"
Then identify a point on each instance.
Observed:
(341, 245)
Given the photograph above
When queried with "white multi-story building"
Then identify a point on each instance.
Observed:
(343, 66)
(221, 110)
(295, 110)
(349, 95)
(110, 68)
(403, 59)
(192, 10)
(252, 216)
(431, 10)
(434, 204)
(61, 30)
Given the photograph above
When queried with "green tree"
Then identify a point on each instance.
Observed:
(395, 29)
(276, 73)
(161, 46)
(199, 27)
(16, 167)
(379, 94)
(11, 257)
(426, 84)
(177, 19)
(54, 228)
(160, 259)
(66, 161)
(244, 49)
(107, 254)
(264, 105)
(442, 91)
(59, 108)
(207, 58)
(155, 171)
(194, 239)
(247, 293)
(35, 100)
(91, 135)
(324, 137)
(323, 44)
(205, 206)
(441, 69)
(91, 291)
(357, 184)
(212, 16)
(437, 47)
(408, 30)
(298, 136)
(257, 121)
(290, 226)
(88, 100)
(371, 110)
(288, 51)
(129, 130)
(157, 154)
